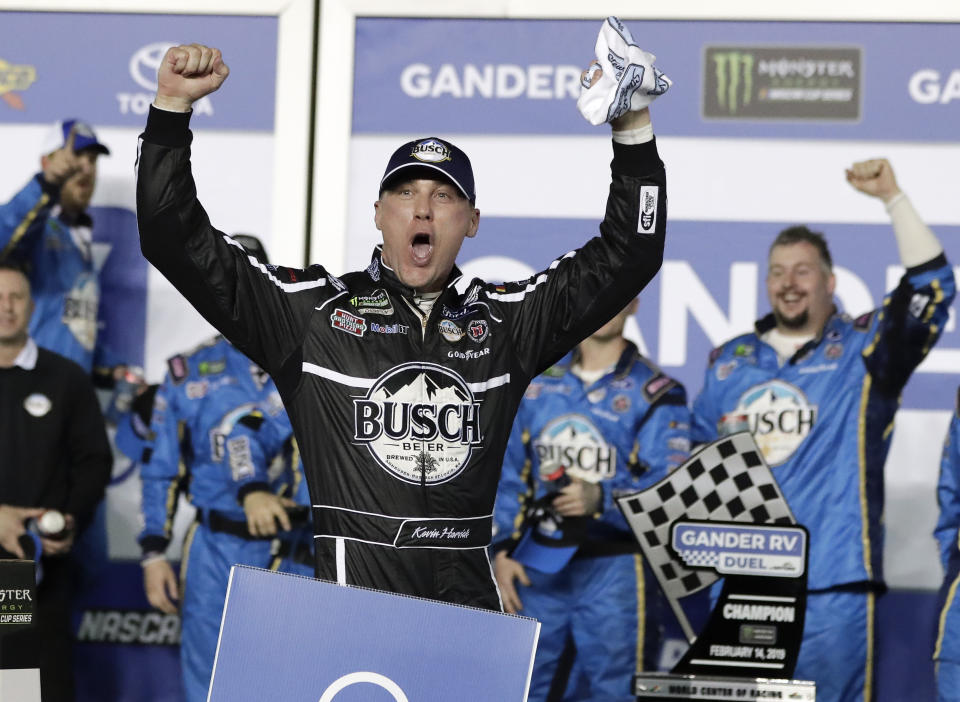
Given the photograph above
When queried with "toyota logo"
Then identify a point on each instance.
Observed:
(145, 63)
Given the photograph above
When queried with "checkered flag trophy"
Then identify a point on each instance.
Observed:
(727, 481)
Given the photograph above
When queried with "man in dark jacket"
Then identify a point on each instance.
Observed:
(54, 455)
(401, 380)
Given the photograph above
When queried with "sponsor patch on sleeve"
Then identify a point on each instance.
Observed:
(647, 221)
(656, 387)
(862, 323)
(918, 305)
(178, 368)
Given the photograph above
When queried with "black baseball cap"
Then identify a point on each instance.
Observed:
(435, 154)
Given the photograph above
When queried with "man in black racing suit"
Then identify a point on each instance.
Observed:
(401, 380)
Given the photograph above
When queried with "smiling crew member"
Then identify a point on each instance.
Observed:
(819, 391)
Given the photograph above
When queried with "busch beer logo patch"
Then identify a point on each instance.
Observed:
(779, 416)
(344, 321)
(478, 330)
(648, 209)
(430, 151)
(571, 444)
(450, 331)
(419, 421)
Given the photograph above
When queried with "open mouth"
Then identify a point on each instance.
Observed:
(421, 248)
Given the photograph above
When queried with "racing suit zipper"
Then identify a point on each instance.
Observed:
(421, 316)
(424, 319)
(423, 337)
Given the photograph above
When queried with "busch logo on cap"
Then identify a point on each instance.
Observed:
(430, 151)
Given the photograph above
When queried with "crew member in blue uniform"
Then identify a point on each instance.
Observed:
(946, 653)
(195, 410)
(604, 421)
(45, 227)
(819, 390)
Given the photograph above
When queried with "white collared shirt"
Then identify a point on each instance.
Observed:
(27, 358)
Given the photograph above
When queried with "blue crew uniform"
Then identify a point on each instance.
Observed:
(946, 652)
(63, 278)
(204, 395)
(824, 422)
(271, 441)
(624, 432)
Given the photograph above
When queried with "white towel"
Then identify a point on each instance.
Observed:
(629, 81)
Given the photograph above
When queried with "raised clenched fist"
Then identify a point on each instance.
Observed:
(61, 164)
(188, 73)
(874, 177)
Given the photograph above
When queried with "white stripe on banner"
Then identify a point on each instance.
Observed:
(337, 377)
(286, 287)
(517, 296)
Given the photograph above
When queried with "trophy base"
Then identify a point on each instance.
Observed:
(668, 686)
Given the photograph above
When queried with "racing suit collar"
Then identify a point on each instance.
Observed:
(765, 324)
(620, 370)
(380, 272)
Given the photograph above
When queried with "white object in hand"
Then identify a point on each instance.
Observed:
(628, 81)
(51, 522)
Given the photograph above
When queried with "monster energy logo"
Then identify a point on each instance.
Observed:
(733, 68)
(798, 83)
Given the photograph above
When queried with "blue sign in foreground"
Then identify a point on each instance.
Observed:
(301, 640)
